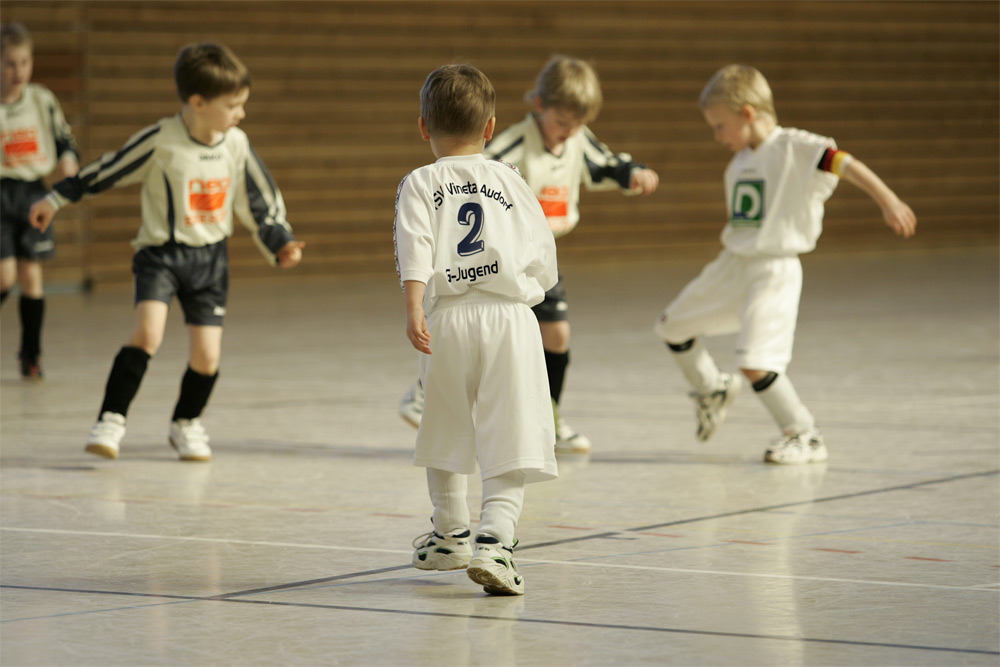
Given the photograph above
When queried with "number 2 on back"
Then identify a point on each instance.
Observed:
(471, 215)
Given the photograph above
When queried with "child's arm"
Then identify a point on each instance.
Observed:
(291, 254)
(644, 181)
(416, 322)
(896, 213)
(258, 204)
(606, 170)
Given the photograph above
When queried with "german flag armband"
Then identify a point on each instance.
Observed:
(834, 161)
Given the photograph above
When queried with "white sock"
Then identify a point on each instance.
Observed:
(503, 499)
(448, 491)
(699, 368)
(785, 407)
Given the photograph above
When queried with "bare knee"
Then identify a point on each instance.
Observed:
(753, 375)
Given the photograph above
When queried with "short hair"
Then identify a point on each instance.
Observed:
(209, 70)
(570, 84)
(14, 34)
(736, 85)
(457, 101)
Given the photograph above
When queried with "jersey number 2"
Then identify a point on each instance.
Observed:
(471, 215)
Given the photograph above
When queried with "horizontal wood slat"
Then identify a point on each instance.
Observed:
(911, 88)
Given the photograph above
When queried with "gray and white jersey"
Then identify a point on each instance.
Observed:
(467, 223)
(34, 135)
(775, 194)
(556, 180)
(190, 191)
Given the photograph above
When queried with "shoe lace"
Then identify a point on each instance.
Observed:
(422, 540)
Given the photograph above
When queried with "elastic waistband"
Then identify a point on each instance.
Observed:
(474, 297)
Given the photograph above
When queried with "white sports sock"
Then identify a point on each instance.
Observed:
(448, 491)
(785, 407)
(699, 368)
(503, 499)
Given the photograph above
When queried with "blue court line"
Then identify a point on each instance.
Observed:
(541, 621)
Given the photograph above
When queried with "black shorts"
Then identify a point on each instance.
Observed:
(17, 237)
(199, 277)
(554, 307)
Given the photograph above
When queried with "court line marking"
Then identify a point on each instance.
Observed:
(523, 561)
(540, 621)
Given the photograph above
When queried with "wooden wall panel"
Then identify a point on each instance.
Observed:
(909, 87)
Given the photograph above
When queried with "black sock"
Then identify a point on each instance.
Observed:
(124, 379)
(765, 382)
(195, 390)
(555, 364)
(32, 314)
(3, 295)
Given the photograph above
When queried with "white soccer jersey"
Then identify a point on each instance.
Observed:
(465, 223)
(190, 191)
(775, 194)
(34, 135)
(556, 180)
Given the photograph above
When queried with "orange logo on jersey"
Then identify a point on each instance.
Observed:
(20, 147)
(554, 201)
(207, 200)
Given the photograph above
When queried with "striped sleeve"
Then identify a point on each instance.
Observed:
(62, 134)
(261, 207)
(605, 170)
(834, 161)
(115, 169)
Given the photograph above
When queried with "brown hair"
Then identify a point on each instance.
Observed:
(457, 101)
(14, 34)
(209, 70)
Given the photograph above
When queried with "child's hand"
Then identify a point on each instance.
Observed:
(291, 254)
(416, 331)
(644, 180)
(41, 214)
(900, 219)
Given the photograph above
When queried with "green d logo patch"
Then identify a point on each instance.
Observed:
(748, 204)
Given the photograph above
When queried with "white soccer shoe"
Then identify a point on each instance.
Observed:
(190, 440)
(797, 448)
(106, 435)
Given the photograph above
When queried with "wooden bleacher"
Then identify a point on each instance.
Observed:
(911, 88)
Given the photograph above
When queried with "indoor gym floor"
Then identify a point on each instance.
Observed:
(293, 546)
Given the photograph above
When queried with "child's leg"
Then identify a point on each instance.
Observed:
(8, 275)
(697, 365)
(503, 499)
(555, 342)
(32, 311)
(778, 395)
(449, 546)
(448, 492)
(202, 372)
(130, 364)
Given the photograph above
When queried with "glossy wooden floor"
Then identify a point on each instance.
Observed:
(293, 546)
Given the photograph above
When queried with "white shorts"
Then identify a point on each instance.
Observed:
(757, 297)
(486, 392)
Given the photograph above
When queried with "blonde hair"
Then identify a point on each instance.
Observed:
(457, 101)
(209, 70)
(736, 85)
(569, 84)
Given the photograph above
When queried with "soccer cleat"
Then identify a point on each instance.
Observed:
(710, 408)
(411, 407)
(493, 567)
(797, 448)
(190, 440)
(106, 435)
(568, 441)
(31, 369)
(442, 552)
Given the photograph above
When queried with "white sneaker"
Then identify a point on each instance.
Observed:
(710, 409)
(797, 448)
(568, 441)
(411, 407)
(106, 435)
(493, 567)
(190, 440)
(442, 552)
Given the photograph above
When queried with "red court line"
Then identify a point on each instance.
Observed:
(936, 560)
(838, 551)
(762, 544)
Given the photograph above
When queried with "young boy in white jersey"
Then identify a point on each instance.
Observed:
(35, 141)
(197, 171)
(556, 152)
(776, 185)
(474, 253)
